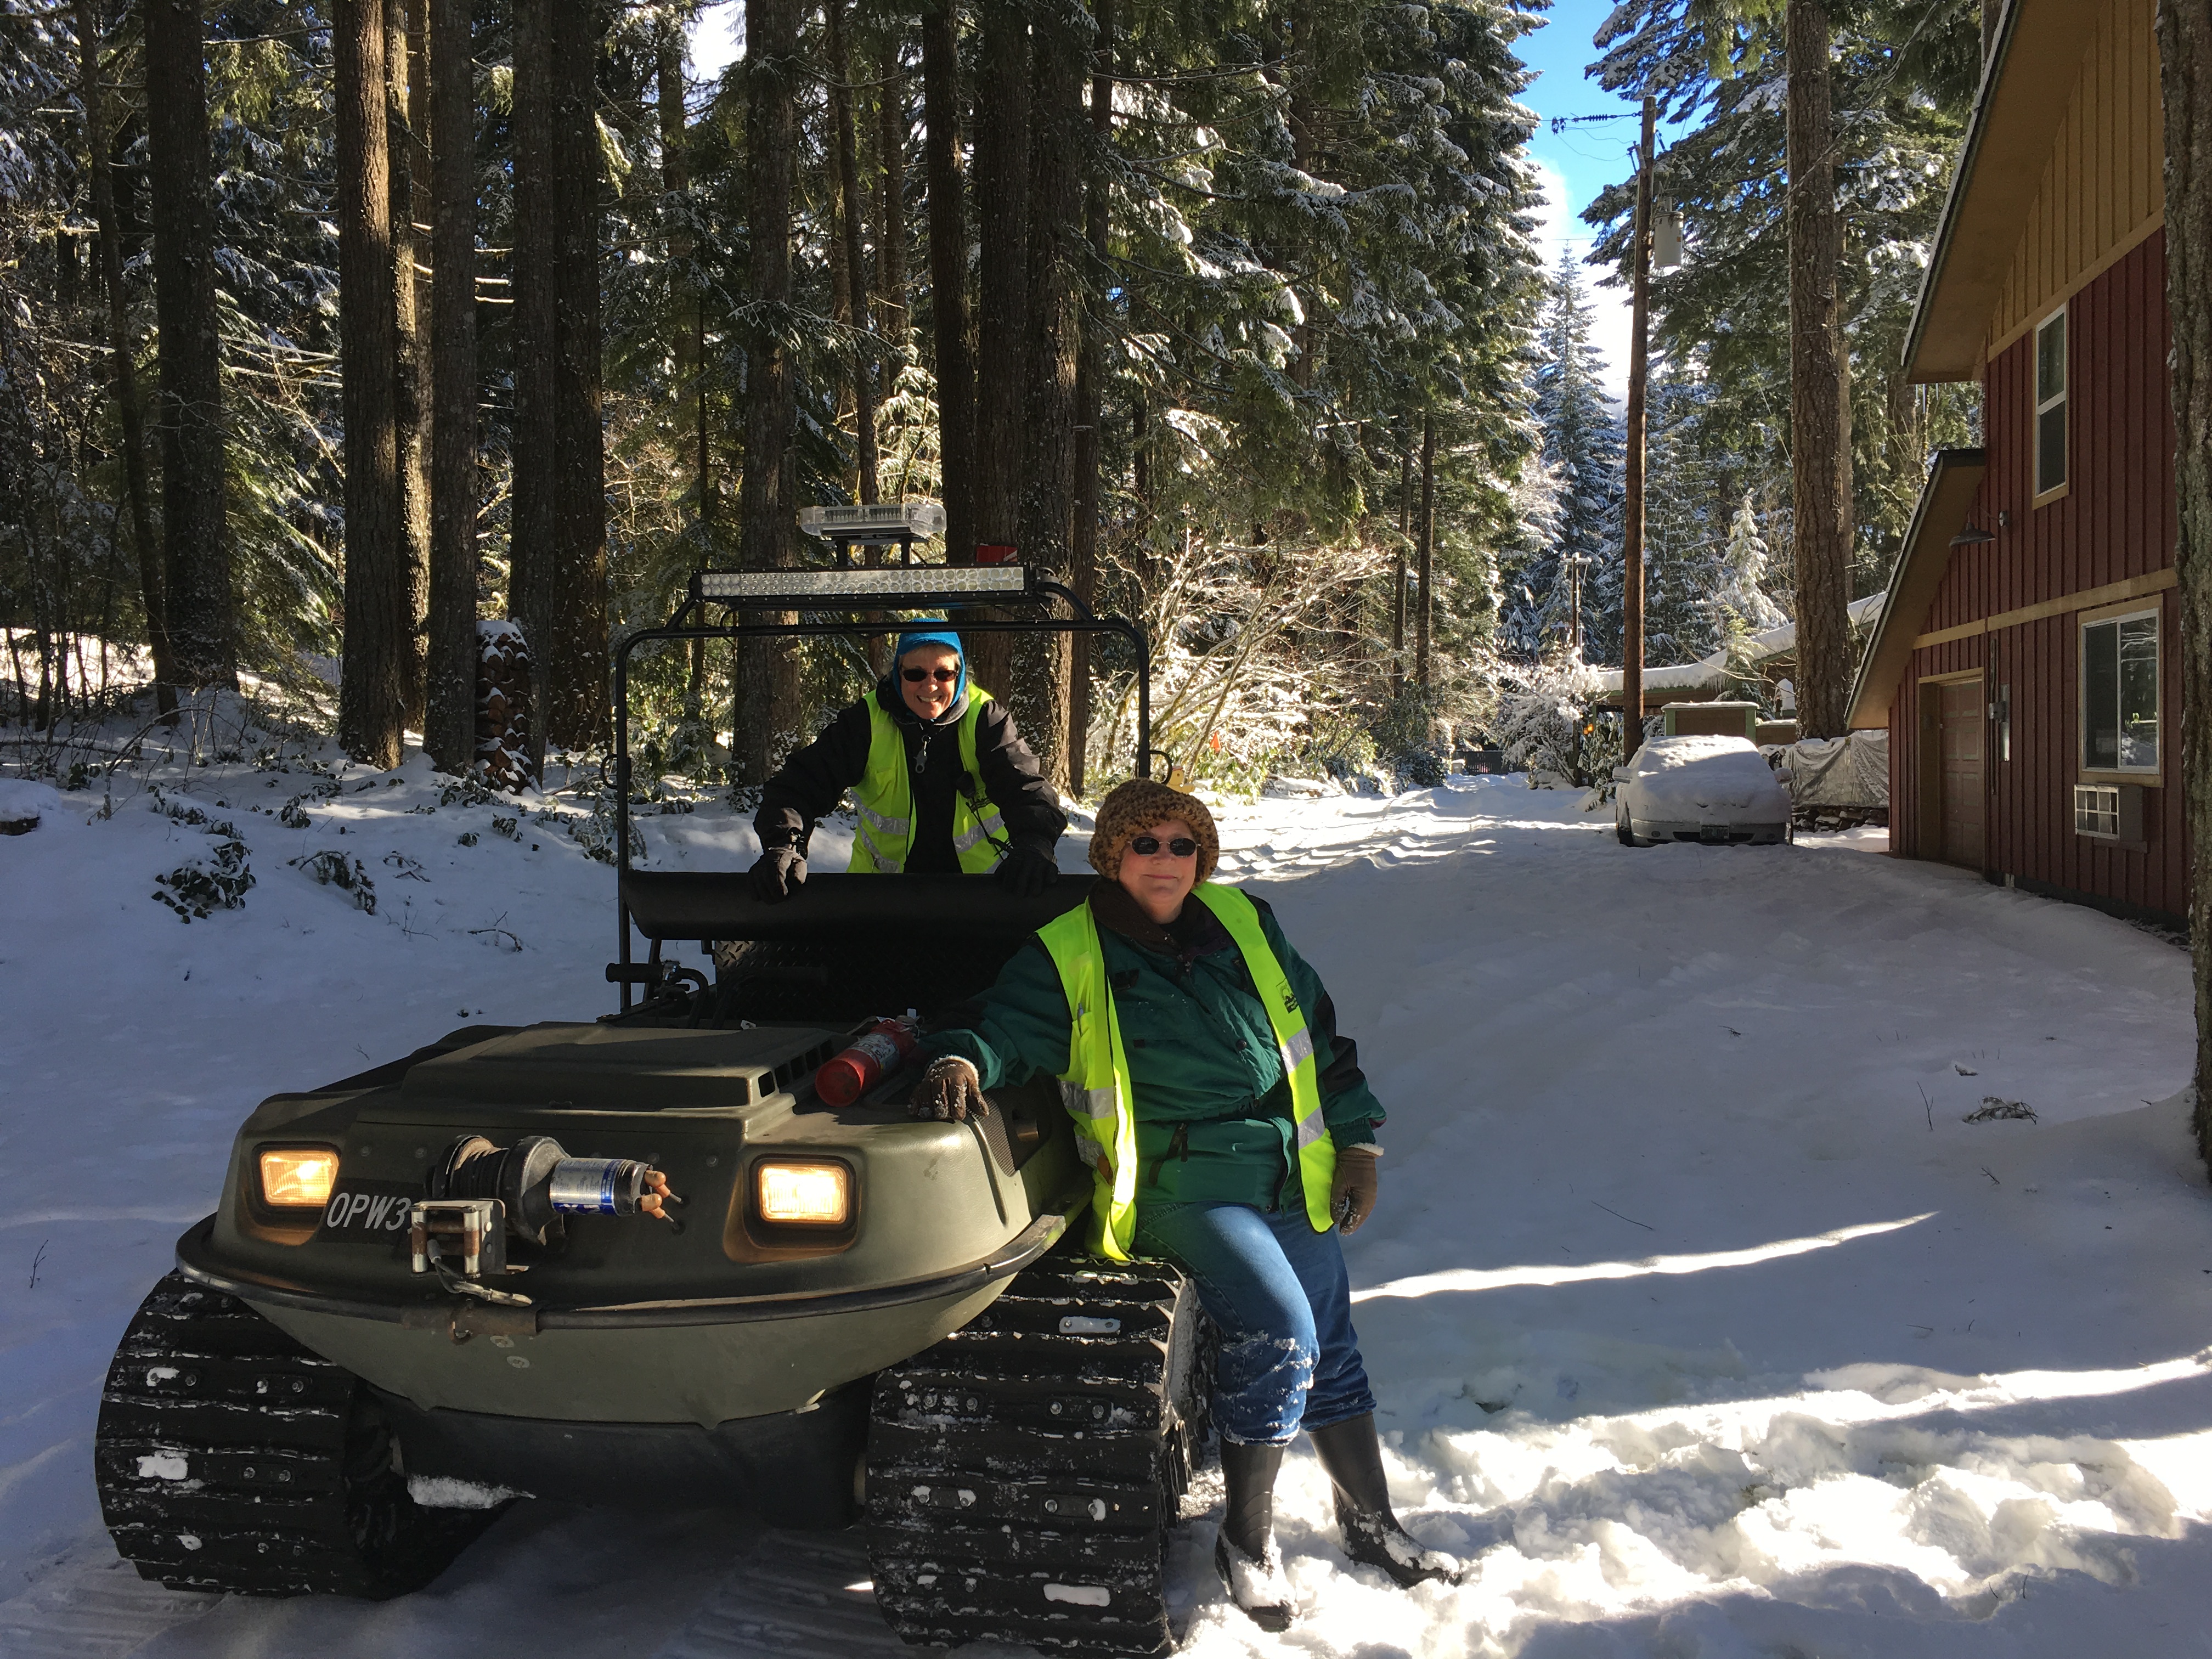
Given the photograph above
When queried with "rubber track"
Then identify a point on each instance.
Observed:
(1020, 1475)
(230, 1458)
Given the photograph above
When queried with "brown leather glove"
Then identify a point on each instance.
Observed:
(950, 1092)
(778, 873)
(1351, 1193)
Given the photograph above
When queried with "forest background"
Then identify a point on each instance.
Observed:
(1233, 313)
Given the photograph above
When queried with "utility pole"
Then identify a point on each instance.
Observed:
(1632, 577)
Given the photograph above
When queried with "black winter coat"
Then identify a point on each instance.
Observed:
(815, 779)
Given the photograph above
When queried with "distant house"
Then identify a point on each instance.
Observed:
(1769, 657)
(2026, 662)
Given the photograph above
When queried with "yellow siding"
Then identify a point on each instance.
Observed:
(2102, 190)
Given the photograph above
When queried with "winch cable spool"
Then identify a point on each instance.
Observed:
(538, 1183)
(1024, 1475)
(229, 1458)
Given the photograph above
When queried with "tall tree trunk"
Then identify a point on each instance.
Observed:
(691, 424)
(534, 339)
(1037, 686)
(948, 275)
(1090, 400)
(1002, 182)
(1398, 572)
(449, 732)
(122, 360)
(576, 640)
(1002, 328)
(2184, 42)
(404, 93)
(1301, 67)
(1819, 384)
(1425, 618)
(675, 183)
(768, 513)
(196, 540)
(856, 265)
(372, 686)
(892, 321)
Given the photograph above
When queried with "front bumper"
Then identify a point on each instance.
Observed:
(702, 1361)
(1707, 835)
(791, 1468)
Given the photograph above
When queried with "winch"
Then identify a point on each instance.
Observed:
(530, 1187)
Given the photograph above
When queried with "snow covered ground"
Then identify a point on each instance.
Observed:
(1698, 1317)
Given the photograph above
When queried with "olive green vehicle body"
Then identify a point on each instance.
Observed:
(721, 1323)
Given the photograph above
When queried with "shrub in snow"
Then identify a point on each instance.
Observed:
(292, 817)
(209, 882)
(1543, 721)
(1405, 744)
(593, 831)
(334, 869)
(465, 791)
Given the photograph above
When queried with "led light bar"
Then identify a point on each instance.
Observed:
(878, 523)
(898, 587)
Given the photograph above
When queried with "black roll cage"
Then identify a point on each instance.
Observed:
(1037, 590)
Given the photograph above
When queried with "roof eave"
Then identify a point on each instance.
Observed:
(1955, 475)
(2025, 90)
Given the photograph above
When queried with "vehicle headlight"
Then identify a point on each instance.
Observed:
(298, 1177)
(807, 1194)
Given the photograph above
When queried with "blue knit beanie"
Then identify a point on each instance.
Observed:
(946, 638)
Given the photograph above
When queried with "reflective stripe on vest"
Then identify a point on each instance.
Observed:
(885, 794)
(1094, 1086)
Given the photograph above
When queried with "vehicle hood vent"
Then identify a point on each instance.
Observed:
(613, 1068)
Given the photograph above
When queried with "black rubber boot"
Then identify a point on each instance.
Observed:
(1372, 1537)
(1244, 1551)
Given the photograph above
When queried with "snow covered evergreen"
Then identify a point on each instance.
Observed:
(1585, 449)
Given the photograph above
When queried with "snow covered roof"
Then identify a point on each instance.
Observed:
(1711, 672)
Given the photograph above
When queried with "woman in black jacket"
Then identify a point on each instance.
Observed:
(944, 780)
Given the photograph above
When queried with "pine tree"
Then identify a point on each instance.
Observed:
(1737, 602)
(372, 688)
(200, 609)
(1573, 578)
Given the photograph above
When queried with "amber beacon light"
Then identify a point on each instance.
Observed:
(298, 1178)
(803, 1195)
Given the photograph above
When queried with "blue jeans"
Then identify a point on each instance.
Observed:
(1276, 1291)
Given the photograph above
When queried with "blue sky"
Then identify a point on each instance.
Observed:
(1573, 165)
(1576, 164)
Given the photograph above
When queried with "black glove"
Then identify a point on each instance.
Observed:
(1027, 871)
(950, 1092)
(778, 871)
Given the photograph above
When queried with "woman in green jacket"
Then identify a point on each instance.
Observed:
(1229, 1130)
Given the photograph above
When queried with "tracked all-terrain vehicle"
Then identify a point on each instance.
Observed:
(641, 1260)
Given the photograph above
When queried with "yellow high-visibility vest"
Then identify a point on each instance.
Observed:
(1095, 1087)
(885, 792)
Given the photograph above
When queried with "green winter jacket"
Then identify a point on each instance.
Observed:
(1213, 1104)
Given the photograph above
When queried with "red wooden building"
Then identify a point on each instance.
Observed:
(2026, 663)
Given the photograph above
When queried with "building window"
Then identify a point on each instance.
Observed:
(2050, 405)
(2119, 694)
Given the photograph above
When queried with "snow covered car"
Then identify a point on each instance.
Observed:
(1715, 790)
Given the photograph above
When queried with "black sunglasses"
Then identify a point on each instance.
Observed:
(916, 676)
(1182, 846)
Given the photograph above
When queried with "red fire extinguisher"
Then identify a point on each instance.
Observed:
(875, 1054)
